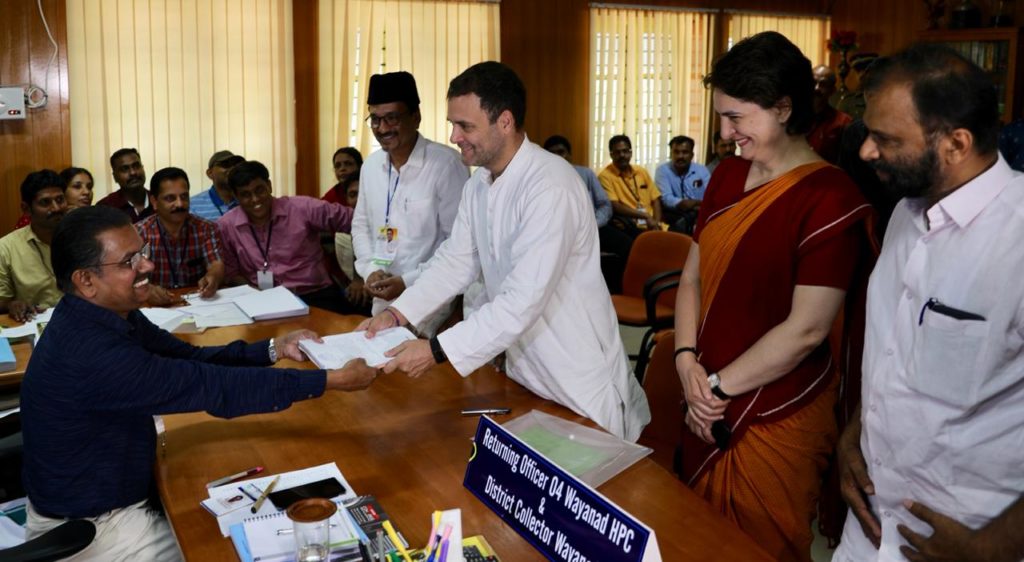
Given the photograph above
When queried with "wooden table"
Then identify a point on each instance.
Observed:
(404, 441)
(11, 380)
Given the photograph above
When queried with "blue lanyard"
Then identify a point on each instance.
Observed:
(391, 194)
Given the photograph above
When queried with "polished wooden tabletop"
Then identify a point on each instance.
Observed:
(404, 441)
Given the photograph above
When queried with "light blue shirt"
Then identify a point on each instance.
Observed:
(674, 188)
(209, 205)
(602, 206)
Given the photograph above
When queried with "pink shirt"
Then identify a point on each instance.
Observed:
(294, 255)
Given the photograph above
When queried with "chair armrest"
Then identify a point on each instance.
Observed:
(56, 544)
(657, 278)
(651, 302)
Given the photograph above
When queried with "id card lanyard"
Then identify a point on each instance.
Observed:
(639, 203)
(392, 191)
(387, 236)
(264, 277)
(180, 254)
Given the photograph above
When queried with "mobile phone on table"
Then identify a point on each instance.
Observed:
(326, 488)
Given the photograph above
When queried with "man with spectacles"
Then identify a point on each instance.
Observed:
(26, 276)
(270, 241)
(100, 372)
(130, 175)
(186, 248)
(409, 189)
(636, 200)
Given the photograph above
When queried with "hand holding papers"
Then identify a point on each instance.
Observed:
(337, 350)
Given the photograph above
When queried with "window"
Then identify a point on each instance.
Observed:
(809, 33)
(435, 40)
(646, 71)
(180, 81)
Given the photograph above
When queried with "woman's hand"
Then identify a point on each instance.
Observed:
(704, 407)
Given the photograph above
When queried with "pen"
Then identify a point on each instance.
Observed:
(233, 477)
(266, 492)
(364, 553)
(290, 531)
(395, 540)
(244, 491)
(380, 546)
(481, 411)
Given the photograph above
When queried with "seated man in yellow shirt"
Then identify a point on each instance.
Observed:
(636, 200)
(27, 285)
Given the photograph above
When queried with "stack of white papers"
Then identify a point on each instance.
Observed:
(228, 294)
(216, 315)
(339, 349)
(272, 303)
(165, 318)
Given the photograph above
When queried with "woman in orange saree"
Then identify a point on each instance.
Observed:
(780, 241)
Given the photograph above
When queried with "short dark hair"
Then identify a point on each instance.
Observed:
(351, 151)
(246, 173)
(617, 139)
(764, 69)
(166, 174)
(76, 242)
(949, 92)
(555, 140)
(37, 181)
(68, 174)
(122, 152)
(680, 139)
(497, 86)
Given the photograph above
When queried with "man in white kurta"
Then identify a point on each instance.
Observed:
(933, 467)
(409, 191)
(525, 222)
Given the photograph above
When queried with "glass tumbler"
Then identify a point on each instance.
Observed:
(311, 520)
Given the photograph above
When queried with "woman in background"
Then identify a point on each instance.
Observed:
(347, 163)
(78, 187)
(779, 242)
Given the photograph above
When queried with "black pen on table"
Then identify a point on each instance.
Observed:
(266, 492)
(489, 411)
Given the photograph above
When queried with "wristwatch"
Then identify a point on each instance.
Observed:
(272, 351)
(716, 386)
(435, 349)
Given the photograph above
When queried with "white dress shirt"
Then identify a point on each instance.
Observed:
(942, 398)
(532, 233)
(423, 207)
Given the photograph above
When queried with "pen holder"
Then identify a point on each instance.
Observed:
(311, 522)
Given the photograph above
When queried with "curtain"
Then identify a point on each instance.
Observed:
(180, 80)
(646, 68)
(809, 33)
(435, 40)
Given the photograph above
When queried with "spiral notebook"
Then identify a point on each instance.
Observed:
(257, 539)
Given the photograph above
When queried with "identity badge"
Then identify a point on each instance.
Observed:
(264, 279)
(386, 246)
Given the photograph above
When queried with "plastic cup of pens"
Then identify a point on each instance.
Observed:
(311, 524)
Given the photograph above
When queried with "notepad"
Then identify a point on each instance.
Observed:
(7, 360)
(229, 294)
(339, 349)
(278, 302)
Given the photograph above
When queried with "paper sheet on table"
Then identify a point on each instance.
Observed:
(166, 318)
(339, 349)
(216, 315)
(270, 304)
(222, 296)
(29, 329)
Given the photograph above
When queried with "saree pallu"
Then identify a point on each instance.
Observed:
(753, 247)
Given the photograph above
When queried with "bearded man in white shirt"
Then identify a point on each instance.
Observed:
(526, 222)
(932, 465)
(409, 192)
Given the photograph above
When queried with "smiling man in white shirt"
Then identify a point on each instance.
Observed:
(932, 465)
(527, 223)
(409, 193)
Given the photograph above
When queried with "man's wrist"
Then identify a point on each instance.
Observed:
(435, 349)
(394, 315)
(272, 350)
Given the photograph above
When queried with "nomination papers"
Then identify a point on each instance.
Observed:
(562, 517)
(339, 349)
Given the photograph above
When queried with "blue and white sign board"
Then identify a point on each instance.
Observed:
(562, 517)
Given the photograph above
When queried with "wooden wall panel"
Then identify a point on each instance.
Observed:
(305, 38)
(43, 139)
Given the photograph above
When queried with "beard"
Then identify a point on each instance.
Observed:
(906, 177)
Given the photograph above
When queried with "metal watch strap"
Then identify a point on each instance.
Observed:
(716, 389)
(272, 351)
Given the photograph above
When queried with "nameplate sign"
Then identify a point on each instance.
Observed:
(561, 516)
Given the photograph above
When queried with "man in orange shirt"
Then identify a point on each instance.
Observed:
(636, 200)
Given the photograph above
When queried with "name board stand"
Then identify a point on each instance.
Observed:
(560, 515)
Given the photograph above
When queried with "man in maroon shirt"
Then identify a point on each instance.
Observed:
(130, 175)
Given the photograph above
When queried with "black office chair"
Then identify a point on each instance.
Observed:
(62, 541)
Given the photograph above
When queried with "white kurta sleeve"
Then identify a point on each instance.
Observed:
(454, 267)
(539, 254)
(362, 231)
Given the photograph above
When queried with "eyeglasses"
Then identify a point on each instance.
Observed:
(133, 260)
(391, 119)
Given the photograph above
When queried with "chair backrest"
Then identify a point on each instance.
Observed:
(665, 395)
(652, 253)
(58, 543)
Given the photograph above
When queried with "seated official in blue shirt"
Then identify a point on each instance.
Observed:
(682, 183)
(101, 371)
